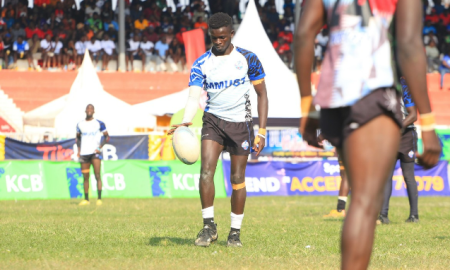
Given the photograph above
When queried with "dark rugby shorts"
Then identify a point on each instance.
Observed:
(408, 146)
(89, 158)
(236, 137)
(337, 124)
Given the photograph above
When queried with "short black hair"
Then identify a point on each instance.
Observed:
(90, 105)
(219, 20)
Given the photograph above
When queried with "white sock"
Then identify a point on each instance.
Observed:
(342, 198)
(236, 221)
(208, 212)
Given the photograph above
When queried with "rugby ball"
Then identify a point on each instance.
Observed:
(185, 145)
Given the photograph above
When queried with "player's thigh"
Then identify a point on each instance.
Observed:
(96, 163)
(369, 153)
(238, 166)
(210, 153)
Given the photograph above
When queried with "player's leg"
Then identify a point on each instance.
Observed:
(383, 218)
(238, 197)
(96, 163)
(344, 190)
(85, 169)
(210, 153)
(411, 187)
(369, 154)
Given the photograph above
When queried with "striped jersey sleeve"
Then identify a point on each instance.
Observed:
(407, 98)
(255, 68)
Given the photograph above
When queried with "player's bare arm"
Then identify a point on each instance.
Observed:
(105, 141)
(413, 64)
(263, 108)
(310, 23)
(78, 141)
(411, 117)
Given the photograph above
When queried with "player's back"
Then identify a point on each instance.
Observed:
(358, 58)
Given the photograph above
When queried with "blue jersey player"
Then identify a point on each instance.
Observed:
(228, 74)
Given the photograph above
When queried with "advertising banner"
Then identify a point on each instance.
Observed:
(121, 179)
(288, 143)
(323, 178)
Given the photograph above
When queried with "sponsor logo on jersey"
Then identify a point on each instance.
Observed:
(245, 145)
(411, 154)
(239, 65)
(223, 84)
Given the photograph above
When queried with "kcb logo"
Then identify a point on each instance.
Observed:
(24, 183)
(110, 181)
(186, 181)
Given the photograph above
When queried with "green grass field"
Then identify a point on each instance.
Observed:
(278, 233)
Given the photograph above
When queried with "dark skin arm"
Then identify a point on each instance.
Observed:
(263, 109)
(412, 116)
(78, 141)
(310, 23)
(412, 60)
(106, 135)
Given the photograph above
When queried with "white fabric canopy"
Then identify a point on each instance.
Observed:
(169, 104)
(282, 87)
(64, 113)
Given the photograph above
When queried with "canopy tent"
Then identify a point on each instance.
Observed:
(64, 113)
(282, 87)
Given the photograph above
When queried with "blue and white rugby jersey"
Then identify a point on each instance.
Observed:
(91, 135)
(228, 81)
(407, 100)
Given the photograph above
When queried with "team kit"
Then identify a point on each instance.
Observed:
(229, 73)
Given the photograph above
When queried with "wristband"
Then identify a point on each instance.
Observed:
(262, 136)
(262, 131)
(99, 149)
(428, 121)
(308, 110)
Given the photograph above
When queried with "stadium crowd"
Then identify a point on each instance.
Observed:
(55, 34)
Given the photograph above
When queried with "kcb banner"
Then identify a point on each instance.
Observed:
(120, 179)
(323, 178)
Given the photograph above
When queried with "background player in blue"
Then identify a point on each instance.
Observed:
(89, 141)
(227, 73)
(407, 155)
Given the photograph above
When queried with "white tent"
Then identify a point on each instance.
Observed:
(64, 113)
(282, 87)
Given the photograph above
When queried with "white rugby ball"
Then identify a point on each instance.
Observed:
(186, 146)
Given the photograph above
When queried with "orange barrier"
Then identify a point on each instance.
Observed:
(30, 90)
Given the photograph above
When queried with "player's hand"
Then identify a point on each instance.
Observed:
(431, 149)
(258, 144)
(78, 155)
(308, 129)
(97, 151)
(174, 127)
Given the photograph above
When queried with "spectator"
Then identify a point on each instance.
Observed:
(188, 13)
(53, 21)
(273, 16)
(176, 54)
(46, 31)
(110, 24)
(199, 12)
(444, 67)
(429, 28)
(69, 52)
(58, 46)
(179, 35)
(109, 49)
(47, 51)
(286, 35)
(288, 5)
(283, 50)
(166, 24)
(8, 46)
(95, 49)
(90, 10)
(22, 51)
(95, 23)
(161, 53)
(21, 11)
(432, 53)
(151, 35)
(9, 19)
(2, 24)
(201, 24)
(153, 22)
(59, 13)
(31, 30)
(17, 31)
(135, 12)
(134, 52)
(106, 11)
(141, 23)
(35, 49)
(80, 47)
(169, 35)
(147, 48)
(445, 17)
(432, 18)
(2, 53)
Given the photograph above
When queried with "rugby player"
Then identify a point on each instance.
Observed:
(406, 154)
(360, 109)
(228, 74)
(344, 190)
(89, 141)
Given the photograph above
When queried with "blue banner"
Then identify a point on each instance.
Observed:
(119, 147)
(323, 178)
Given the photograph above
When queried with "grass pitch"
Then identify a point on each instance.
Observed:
(278, 233)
